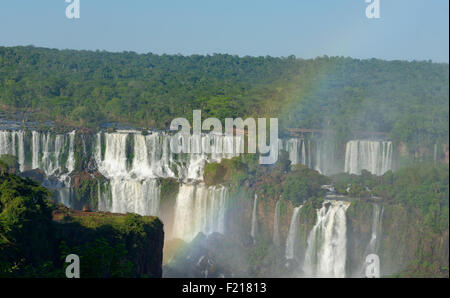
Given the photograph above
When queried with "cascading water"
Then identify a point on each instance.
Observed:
(276, 224)
(375, 237)
(47, 151)
(199, 209)
(130, 195)
(325, 156)
(327, 242)
(152, 159)
(6, 143)
(114, 163)
(373, 156)
(51, 151)
(319, 154)
(134, 190)
(12, 143)
(21, 150)
(70, 164)
(296, 148)
(292, 234)
(36, 150)
(254, 227)
(151, 156)
(377, 220)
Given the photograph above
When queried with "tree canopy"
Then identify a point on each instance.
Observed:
(408, 100)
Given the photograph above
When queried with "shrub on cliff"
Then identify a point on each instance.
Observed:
(228, 170)
(9, 163)
(303, 183)
(25, 225)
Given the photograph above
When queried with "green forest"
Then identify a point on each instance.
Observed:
(408, 100)
(85, 89)
(36, 234)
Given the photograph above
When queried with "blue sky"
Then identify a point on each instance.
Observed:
(407, 30)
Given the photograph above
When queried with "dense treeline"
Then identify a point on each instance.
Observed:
(423, 186)
(407, 99)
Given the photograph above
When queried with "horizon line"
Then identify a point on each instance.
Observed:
(213, 54)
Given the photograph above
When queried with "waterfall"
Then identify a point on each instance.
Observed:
(51, 152)
(373, 156)
(320, 155)
(375, 236)
(133, 188)
(372, 246)
(292, 234)
(135, 191)
(309, 159)
(199, 209)
(151, 156)
(21, 154)
(318, 162)
(254, 227)
(304, 152)
(9, 145)
(114, 163)
(325, 157)
(35, 150)
(5, 143)
(103, 196)
(129, 195)
(47, 154)
(70, 164)
(276, 224)
(132, 163)
(46, 151)
(64, 195)
(327, 242)
(184, 205)
(292, 149)
(296, 148)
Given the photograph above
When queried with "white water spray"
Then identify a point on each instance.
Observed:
(199, 209)
(373, 156)
(327, 242)
(292, 234)
(254, 227)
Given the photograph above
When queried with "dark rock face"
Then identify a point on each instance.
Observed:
(136, 240)
(36, 175)
(403, 240)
